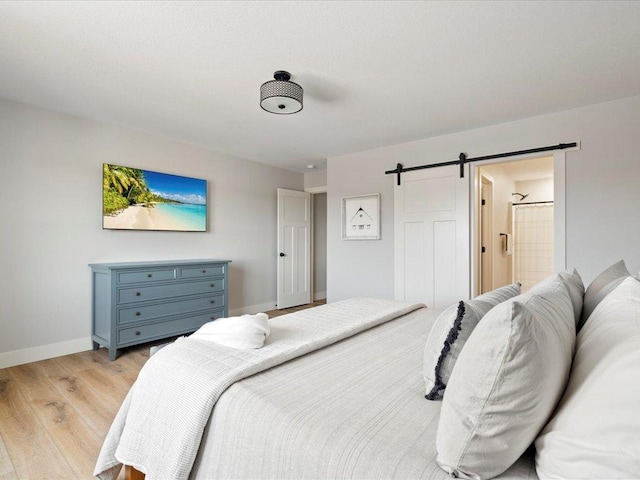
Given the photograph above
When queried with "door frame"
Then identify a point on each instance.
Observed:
(313, 191)
(486, 238)
(280, 270)
(560, 212)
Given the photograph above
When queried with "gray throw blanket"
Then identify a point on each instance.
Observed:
(160, 424)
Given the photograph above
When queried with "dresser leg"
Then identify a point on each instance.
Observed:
(112, 353)
(96, 346)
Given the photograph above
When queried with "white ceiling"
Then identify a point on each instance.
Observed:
(534, 169)
(374, 73)
(523, 170)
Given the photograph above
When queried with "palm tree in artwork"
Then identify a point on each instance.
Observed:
(137, 185)
(116, 178)
(128, 182)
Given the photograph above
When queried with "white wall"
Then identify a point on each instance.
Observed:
(359, 267)
(51, 224)
(602, 193)
(538, 190)
(315, 180)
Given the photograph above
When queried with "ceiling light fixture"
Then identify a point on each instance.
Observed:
(281, 96)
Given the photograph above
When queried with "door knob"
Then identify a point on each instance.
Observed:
(282, 254)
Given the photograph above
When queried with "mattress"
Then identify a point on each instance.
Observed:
(355, 409)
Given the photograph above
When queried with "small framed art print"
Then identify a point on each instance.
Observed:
(361, 217)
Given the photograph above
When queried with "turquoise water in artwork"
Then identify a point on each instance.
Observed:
(190, 216)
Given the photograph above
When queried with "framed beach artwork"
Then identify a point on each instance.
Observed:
(361, 217)
(136, 199)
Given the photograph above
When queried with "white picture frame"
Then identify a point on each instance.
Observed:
(361, 217)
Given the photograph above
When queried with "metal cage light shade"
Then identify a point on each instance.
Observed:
(281, 96)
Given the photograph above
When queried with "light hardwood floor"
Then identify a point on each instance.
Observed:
(54, 414)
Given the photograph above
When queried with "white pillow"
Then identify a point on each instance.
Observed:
(595, 432)
(450, 332)
(506, 383)
(573, 281)
(575, 286)
(244, 332)
(600, 287)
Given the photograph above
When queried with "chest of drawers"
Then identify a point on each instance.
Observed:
(136, 302)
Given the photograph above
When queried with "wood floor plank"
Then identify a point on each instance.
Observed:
(126, 366)
(119, 374)
(94, 402)
(55, 414)
(77, 442)
(33, 453)
(7, 471)
(122, 366)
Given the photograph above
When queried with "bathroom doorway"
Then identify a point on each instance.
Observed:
(516, 224)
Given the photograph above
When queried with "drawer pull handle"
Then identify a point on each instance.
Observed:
(213, 301)
(138, 314)
(138, 294)
(213, 318)
(149, 275)
(137, 332)
(213, 285)
(204, 271)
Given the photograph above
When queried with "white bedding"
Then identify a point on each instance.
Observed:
(159, 426)
(355, 410)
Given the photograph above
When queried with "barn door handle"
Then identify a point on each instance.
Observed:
(282, 254)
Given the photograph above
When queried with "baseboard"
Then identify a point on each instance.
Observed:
(319, 296)
(43, 352)
(251, 309)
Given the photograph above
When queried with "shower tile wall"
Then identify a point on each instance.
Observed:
(533, 243)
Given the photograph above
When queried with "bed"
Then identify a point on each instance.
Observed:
(352, 406)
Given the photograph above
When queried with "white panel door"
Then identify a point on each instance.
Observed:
(294, 248)
(432, 236)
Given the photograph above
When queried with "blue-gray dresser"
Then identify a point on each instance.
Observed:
(136, 302)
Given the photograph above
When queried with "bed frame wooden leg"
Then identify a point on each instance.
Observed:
(131, 473)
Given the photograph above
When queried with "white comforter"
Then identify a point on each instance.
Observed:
(160, 424)
(353, 410)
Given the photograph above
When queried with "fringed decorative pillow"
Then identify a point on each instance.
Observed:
(507, 382)
(450, 332)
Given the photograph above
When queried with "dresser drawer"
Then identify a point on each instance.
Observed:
(201, 271)
(135, 302)
(166, 329)
(142, 313)
(148, 275)
(141, 294)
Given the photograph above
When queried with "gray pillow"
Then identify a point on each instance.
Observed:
(600, 287)
(506, 383)
(451, 331)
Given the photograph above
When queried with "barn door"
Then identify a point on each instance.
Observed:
(432, 236)
(294, 248)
